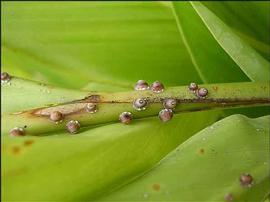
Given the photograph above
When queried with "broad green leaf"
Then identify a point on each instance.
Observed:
(208, 166)
(267, 199)
(85, 165)
(187, 19)
(19, 95)
(91, 46)
(106, 87)
(212, 63)
(254, 65)
(75, 43)
(253, 22)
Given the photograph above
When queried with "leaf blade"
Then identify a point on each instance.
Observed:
(47, 164)
(254, 65)
(217, 159)
(207, 55)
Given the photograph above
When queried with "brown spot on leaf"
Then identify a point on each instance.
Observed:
(215, 88)
(16, 150)
(92, 98)
(28, 142)
(201, 151)
(15, 172)
(263, 87)
(56, 116)
(156, 187)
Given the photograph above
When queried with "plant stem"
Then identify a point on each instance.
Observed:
(110, 105)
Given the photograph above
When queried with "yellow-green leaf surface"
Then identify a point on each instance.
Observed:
(254, 65)
(106, 87)
(207, 167)
(207, 55)
(65, 167)
(20, 94)
(93, 41)
(256, 36)
(267, 199)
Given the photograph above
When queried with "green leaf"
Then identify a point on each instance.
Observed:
(211, 61)
(75, 43)
(106, 87)
(208, 166)
(253, 21)
(85, 165)
(254, 65)
(48, 54)
(19, 95)
(267, 199)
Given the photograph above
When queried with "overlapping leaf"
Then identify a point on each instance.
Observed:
(255, 66)
(206, 54)
(208, 166)
(119, 42)
(253, 22)
(83, 166)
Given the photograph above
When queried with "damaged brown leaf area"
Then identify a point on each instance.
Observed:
(66, 109)
(107, 107)
(15, 172)
(78, 106)
(28, 142)
(15, 150)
